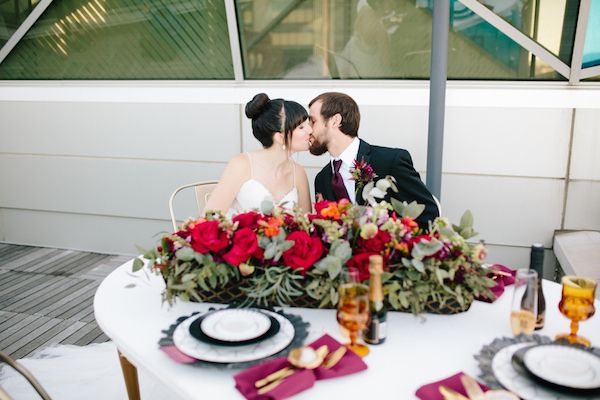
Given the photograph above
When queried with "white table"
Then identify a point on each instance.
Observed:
(418, 350)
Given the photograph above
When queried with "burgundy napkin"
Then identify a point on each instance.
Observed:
(501, 281)
(302, 379)
(431, 391)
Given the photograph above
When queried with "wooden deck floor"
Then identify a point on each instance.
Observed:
(46, 297)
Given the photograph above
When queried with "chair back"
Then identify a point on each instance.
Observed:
(26, 374)
(438, 204)
(202, 190)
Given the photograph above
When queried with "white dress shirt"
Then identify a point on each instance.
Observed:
(348, 156)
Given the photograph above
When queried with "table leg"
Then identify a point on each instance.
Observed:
(131, 378)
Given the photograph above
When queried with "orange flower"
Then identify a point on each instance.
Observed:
(403, 247)
(271, 226)
(331, 211)
(409, 223)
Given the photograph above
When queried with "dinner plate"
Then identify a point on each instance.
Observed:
(564, 367)
(196, 331)
(522, 383)
(235, 324)
(200, 350)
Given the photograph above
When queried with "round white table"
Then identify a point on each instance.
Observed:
(418, 350)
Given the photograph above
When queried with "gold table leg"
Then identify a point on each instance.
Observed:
(131, 378)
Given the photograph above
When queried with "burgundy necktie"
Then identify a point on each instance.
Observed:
(337, 182)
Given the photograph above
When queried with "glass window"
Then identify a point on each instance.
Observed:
(124, 39)
(551, 23)
(591, 50)
(12, 14)
(372, 39)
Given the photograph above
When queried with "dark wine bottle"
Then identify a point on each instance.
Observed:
(536, 263)
(376, 329)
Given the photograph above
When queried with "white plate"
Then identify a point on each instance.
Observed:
(193, 347)
(563, 365)
(235, 325)
(522, 385)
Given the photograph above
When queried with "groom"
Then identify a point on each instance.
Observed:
(335, 119)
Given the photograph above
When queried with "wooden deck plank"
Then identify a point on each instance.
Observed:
(81, 311)
(90, 336)
(31, 335)
(42, 338)
(28, 282)
(101, 339)
(33, 257)
(15, 255)
(11, 277)
(38, 302)
(83, 265)
(41, 264)
(61, 264)
(17, 331)
(84, 330)
(26, 295)
(58, 338)
(69, 301)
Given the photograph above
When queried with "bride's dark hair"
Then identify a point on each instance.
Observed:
(270, 116)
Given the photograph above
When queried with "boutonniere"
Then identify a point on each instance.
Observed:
(362, 173)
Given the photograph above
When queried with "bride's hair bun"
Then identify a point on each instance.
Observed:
(257, 105)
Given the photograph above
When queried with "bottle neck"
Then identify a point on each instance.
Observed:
(375, 288)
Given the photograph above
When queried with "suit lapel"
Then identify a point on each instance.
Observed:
(327, 188)
(364, 153)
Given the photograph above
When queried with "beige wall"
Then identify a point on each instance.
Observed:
(96, 174)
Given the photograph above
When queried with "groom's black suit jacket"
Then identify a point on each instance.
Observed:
(387, 161)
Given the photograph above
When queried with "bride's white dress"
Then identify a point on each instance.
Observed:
(252, 193)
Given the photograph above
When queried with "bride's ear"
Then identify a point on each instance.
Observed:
(279, 138)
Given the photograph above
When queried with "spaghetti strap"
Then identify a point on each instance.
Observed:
(250, 161)
(294, 173)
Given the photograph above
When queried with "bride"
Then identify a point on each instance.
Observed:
(283, 128)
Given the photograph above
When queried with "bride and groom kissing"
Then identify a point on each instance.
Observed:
(284, 127)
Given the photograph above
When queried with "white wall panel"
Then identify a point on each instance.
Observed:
(585, 158)
(507, 141)
(583, 205)
(207, 132)
(118, 187)
(507, 210)
(111, 235)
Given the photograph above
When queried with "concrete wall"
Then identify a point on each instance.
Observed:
(91, 167)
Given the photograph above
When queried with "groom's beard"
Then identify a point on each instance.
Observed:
(317, 148)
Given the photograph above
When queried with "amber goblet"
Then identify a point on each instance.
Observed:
(577, 304)
(353, 310)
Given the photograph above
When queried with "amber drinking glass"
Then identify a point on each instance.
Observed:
(524, 305)
(353, 310)
(577, 304)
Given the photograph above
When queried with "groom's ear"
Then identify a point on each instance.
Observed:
(336, 120)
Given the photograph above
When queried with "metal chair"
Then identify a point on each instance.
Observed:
(438, 204)
(26, 374)
(202, 190)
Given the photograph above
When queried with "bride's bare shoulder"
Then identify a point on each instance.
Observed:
(239, 161)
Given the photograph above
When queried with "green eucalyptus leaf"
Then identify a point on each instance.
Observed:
(466, 221)
(266, 207)
(137, 265)
(185, 254)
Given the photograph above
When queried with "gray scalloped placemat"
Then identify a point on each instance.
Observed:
(300, 334)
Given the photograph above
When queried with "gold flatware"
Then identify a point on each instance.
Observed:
(450, 394)
(301, 357)
(472, 388)
(334, 357)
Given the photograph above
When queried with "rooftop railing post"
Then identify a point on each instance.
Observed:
(437, 94)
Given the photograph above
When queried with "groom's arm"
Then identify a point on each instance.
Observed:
(412, 188)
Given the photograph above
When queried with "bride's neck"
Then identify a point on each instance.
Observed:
(275, 155)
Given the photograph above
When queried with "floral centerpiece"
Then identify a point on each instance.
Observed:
(278, 257)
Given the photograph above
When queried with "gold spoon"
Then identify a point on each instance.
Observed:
(301, 357)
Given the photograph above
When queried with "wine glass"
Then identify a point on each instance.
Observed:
(577, 304)
(524, 304)
(353, 310)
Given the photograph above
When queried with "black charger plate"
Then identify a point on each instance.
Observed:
(196, 332)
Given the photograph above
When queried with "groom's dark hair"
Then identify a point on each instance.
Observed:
(339, 103)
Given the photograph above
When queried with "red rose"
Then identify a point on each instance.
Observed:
(259, 253)
(207, 236)
(306, 251)
(360, 263)
(247, 220)
(373, 245)
(244, 245)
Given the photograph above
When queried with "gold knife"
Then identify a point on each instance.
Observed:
(334, 357)
(275, 383)
(450, 394)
